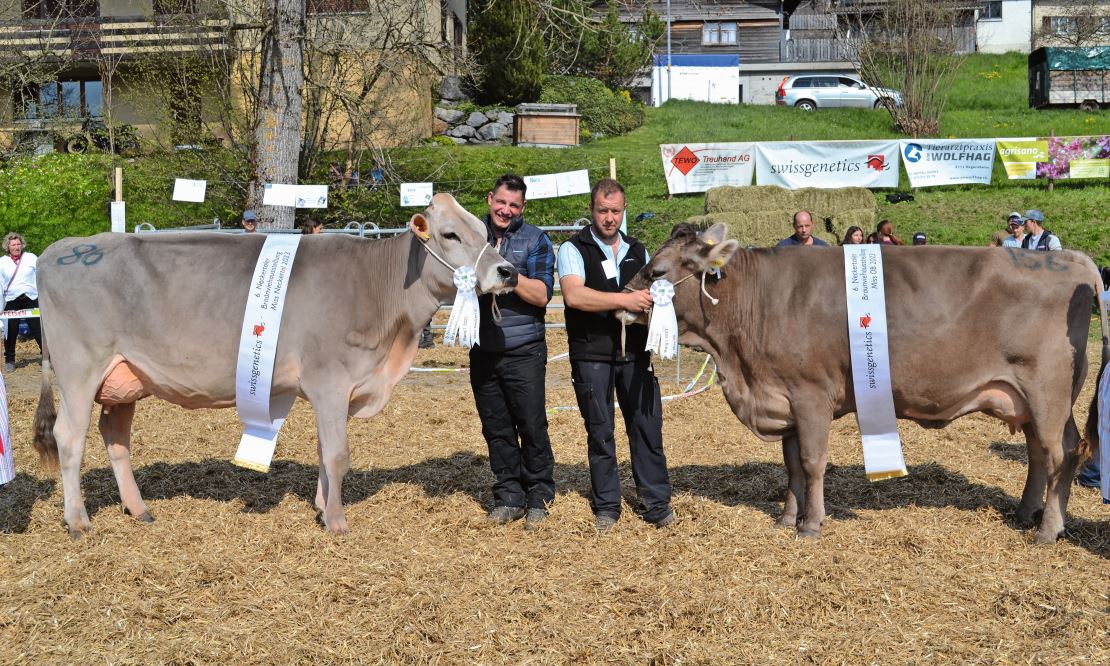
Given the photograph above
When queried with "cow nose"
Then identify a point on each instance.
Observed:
(507, 273)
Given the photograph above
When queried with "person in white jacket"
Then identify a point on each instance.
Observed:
(17, 274)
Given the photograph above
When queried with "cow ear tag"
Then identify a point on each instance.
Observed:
(419, 225)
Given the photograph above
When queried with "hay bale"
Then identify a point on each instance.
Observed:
(827, 200)
(760, 229)
(727, 199)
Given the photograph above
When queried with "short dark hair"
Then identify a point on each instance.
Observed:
(605, 187)
(511, 182)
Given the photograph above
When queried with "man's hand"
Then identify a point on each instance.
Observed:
(637, 301)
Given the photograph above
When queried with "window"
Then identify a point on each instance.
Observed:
(803, 83)
(52, 9)
(444, 10)
(1062, 25)
(61, 99)
(992, 11)
(716, 33)
(849, 83)
(825, 82)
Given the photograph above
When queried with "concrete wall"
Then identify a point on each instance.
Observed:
(1012, 32)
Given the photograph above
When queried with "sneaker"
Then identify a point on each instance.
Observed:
(665, 520)
(9, 367)
(427, 340)
(533, 518)
(604, 522)
(503, 515)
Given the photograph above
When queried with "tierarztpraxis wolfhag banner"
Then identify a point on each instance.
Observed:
(932, 162)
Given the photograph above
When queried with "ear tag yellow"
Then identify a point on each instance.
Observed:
(717, 264)
(709, 241)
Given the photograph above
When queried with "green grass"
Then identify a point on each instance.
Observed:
(988, 99)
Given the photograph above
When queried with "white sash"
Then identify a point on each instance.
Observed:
(867, 337)
(7, 457)
(257, 348)
(1102, 455)
(26, 313)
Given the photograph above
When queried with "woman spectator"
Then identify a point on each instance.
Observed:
(854, 236)
(17, 273)
(884, 234)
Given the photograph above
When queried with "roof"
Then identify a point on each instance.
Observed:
(699, 60)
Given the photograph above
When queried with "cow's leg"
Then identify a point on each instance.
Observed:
(1059, 468)
(322, 482)
(70, 429)
(335, 460)
(795, 482)
(115, 428)
(1032, 497)
(813, 435)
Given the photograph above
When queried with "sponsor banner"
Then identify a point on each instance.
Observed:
(696, 167)
(1020, 157)
(870, 353)
(932, 162)
(798, 164)
(1075, 157)
(7, 456)
(257, 348)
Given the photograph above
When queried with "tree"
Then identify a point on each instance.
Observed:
(613, 53)
(910, 46)
(509, 51)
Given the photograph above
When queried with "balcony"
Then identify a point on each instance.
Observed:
(88, 38)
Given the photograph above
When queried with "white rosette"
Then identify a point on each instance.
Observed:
(462, 327)
(663, 329)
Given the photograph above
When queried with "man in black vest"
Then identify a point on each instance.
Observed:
(594, 266)
(1036, 236)
(508, 367)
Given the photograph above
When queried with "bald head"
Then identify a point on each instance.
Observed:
(803, 226)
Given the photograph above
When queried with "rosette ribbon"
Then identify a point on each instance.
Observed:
(462, 327)
(663, 329)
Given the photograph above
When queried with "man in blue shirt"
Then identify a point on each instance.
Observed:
(594, 266)
(509, 366)
(803, 232)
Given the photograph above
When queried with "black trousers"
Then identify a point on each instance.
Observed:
(509, 393)
(20, 302)
(637, 391)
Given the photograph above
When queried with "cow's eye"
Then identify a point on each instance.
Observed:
(658, 273)
(451, 236)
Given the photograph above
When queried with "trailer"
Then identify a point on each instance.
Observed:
(702, 77)
(1069, 76)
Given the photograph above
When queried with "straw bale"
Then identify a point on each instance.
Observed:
(761, 229)
(744, 199)
(925, 569)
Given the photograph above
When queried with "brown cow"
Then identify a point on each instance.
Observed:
(165, 312)
(970, 330)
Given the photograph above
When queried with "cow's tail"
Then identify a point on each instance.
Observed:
(1088, 445)
(46, 415)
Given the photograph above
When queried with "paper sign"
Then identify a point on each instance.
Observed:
(416, 194)
(543, 186)
(312, 196)
(573, 182)
(119, 217)
(189, 190)
(277, 194)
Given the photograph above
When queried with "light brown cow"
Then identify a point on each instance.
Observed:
(168, 309)
(1003, 332)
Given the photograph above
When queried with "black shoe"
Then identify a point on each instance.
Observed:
(605, 522)
(503, 515)
(533, 518)
(9, 367)
(427, 340)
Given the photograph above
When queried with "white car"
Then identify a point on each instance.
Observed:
(817, 91)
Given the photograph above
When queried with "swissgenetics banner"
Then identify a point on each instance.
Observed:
(797, 164)
(696, 167)
(932, 162)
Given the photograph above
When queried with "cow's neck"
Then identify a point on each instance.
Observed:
(427, 284)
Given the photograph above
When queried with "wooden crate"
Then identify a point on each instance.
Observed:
(545, 129)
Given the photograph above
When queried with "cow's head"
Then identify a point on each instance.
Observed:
(685, 257)
(459, 239)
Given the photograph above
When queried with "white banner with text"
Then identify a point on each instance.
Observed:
(827, 164)
(696, 167)
(932, 162)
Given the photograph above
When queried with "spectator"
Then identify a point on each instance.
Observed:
(17, 272)
(884, 234)
(1017, 232)
(803, 232)
(854, 236)
(920, 238)
(508, 367)
(1037, 237)
(313, 226)
(999, 238)
(250, 221)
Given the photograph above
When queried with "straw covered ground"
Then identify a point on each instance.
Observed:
(926, 569)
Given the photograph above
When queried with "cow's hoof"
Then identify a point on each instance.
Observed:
(79, 533)
(147, 517)
(784, 523)
(808, 533)
(1028, 517)
(1041, 537)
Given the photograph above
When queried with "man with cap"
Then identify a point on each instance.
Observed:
(920, 238)
(1037, 237)
(250, 221)
(999, 238)
(1017, 232)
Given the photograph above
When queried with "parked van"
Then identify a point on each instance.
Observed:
(818, 91)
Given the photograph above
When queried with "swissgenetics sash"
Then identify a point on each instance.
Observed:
(7, 457)
(867, 337)
(1102, 455)
(254, 371)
